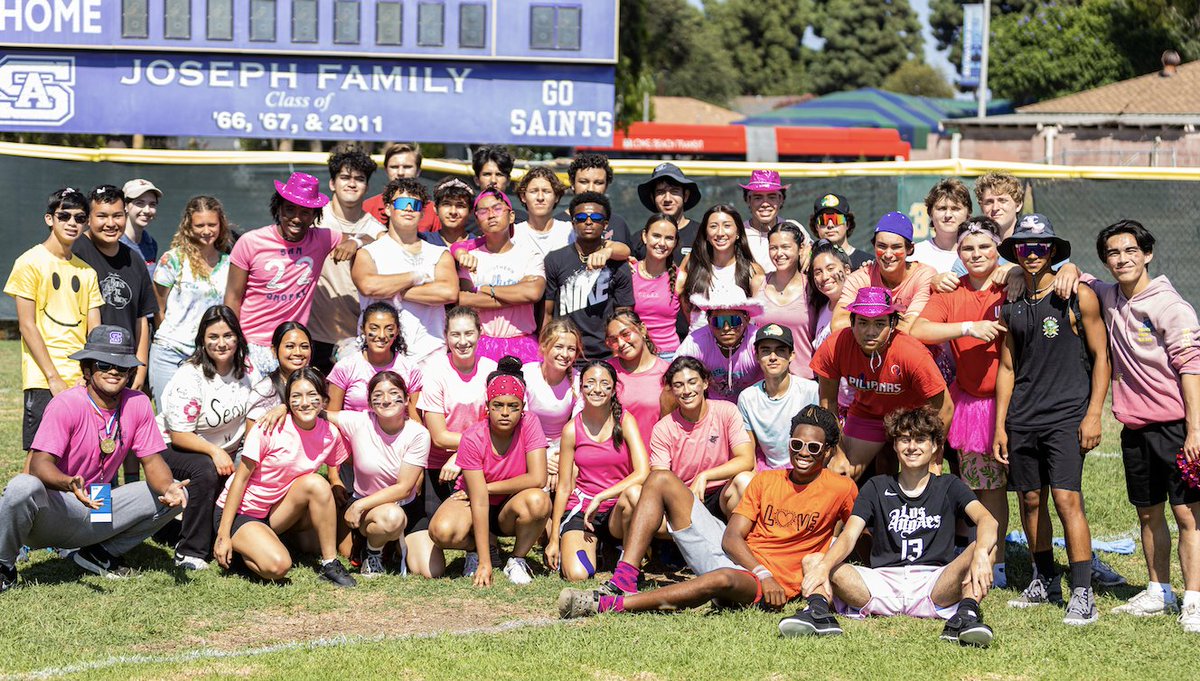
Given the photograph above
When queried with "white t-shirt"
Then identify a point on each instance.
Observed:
(213, 408)
(335, 304)
(928, 253)
(554, 405)
(771, 419)
(560, 234)
(423, 326)
(505, 269)
(377, 456)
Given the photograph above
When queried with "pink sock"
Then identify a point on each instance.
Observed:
(626, 577)
(611, 604)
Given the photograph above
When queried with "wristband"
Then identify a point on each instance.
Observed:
(967, 328)
(762, 572)
(357, 238)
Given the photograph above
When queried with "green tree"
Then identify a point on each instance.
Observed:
(633, 74)
(864, 42)
(946, 17)
(918, 78)
(687, 58)
(764, 40)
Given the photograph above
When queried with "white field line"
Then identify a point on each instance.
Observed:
(211, 654)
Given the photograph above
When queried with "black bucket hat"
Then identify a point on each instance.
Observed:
(1035, 227)
(671, 172)
(112, 344)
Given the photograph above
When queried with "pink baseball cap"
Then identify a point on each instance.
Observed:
(302, 189)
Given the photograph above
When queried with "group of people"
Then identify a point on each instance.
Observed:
(380, 379)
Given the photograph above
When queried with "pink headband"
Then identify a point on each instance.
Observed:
(974, 230)
(494, 193)
(505, 384)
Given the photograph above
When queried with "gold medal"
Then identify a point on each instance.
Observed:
(108, 445)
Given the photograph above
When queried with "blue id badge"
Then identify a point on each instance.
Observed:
(103, 494)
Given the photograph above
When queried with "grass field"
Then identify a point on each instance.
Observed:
(165, 623)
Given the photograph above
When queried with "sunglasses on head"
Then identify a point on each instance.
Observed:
(725, 321)
(798, 446)
(1036, 249)
(408, 203)
(64, 216)
(109, 368)
(594, 217)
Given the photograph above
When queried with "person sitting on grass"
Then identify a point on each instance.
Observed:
(911, 519)
(757, 558)
(276, 488)
(503, 462)
(85, 434)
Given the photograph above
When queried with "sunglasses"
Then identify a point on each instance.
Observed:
(813, 449)
(408, 203)
(594, 217)
(832, 219)
(498, 209)
(109, 368)
(725, 321)
(77, 218)
(1037, 250)
(626, 335)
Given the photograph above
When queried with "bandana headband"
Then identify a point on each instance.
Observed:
(974, 230)
(505, 384)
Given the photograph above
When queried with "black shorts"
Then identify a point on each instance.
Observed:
(1049, 457)
(1151, 470)
(433, 493)
(239, 521)
(574, 523)
(35, 401)
(322, 356)
(712, 501)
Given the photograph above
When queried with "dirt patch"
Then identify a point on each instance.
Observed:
(356, 615)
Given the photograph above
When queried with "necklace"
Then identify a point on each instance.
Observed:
(1037, 296)
(111, 430)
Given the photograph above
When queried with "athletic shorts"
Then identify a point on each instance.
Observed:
(240, 520)
(700, 545)
(35, 401)
(1049, 457)
(860, 428)
(903, 590)
(1151, 470)
(433, 493)
(712, 501)
(574, 523)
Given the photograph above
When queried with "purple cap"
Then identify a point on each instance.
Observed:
(895, 223)
(872, 301)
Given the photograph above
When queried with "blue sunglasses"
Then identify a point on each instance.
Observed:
(594, 217)
(408, 203)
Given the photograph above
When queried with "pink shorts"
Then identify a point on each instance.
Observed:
(905, 590)
(860, 428)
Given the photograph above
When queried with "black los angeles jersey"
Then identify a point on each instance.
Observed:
(912, 531)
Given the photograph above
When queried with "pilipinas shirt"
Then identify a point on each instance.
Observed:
(912, 530)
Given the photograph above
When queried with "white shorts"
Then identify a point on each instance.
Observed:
(700, 542)
(904, 590)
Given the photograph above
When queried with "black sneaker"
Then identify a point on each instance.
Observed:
(335, 572)
(968, 630)
(97, 560)
(806, 623)
(8, 578)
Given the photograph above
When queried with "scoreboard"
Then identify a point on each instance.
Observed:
(507, 71)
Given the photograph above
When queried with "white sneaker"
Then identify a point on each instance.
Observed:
(470, 564)
(518, 572)
(1190, 618)
(1146, 604)
(190, 562)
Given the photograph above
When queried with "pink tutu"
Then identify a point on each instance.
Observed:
(974, 424)
(524, 348)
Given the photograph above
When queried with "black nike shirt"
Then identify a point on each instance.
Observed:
(912, 530)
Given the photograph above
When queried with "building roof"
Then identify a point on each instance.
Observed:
(1080, 120)
(1149, 94)
(690, 111)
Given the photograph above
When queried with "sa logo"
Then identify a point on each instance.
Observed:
(37, 90)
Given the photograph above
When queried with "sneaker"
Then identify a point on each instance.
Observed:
(470, 564)
(999, 578)
(1146, 604)
(8, 578)
(97, 560)
(335, 572)
(372, 564)
(1103, 574)
(190, 562)
(1082, 608)
(805, 623)
(23, 555)
(967, 630)
(1189, 618)
(518, 572)
(1039, 593)
(574, 603)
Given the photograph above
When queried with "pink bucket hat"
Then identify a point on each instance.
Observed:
(872, 301)
(765, 181)
(302, 189)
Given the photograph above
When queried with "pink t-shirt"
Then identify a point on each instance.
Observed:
(457, 396)
(506, 269)
(688, 449)
(475, 453)
(71, 431)
(554, 405)
(353, 373)
(657, 306)
(600, 465)
(281, 277)
(641, 394)
(378, 456)
(909, 297)
(281, 458)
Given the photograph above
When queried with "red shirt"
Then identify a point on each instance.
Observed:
(976, 360)
(429, 219)
(904, 377)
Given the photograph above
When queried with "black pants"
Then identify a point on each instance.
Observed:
(196, 538)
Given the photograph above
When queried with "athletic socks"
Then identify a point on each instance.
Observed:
(1043, 562)
(611, 604)
(818, 604)
(1081, 574)
(625, 577)
(372, 549)
(1160, 589)
(969, 607)
(327, 561)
